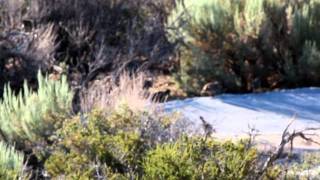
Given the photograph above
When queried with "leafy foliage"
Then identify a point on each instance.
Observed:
(196, 159)
(126, 142)
(310, 60)
(117, 145)
(105, 144)
(11, 162)
(30, 115)
(246, 45)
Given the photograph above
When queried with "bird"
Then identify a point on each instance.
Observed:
(212, 89)
(208, 129)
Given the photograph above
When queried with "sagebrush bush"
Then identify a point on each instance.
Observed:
(199, 159)
(309, 60)
(31, 115)
(249, 19)
(106, 144)
(124, 142)
(305, 22)
(246, 45)
(86, 148)
(118, 145)
(11, 162)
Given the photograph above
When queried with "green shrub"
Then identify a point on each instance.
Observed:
(31, 115)
(196, 159)
(198, 68)
(310, 60)
(104, 144)
(11, 162)
(82, 147)
(194, 73)
(196, 19)
(121, 145)
(112, 146)
(246, 45)
(305, 22)
(249, 19)
(211, 30)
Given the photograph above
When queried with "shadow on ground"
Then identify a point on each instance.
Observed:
(304, 103)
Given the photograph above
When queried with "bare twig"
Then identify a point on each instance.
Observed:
(253, 133)
(287, 138)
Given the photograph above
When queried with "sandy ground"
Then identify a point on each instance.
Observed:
(233, 115)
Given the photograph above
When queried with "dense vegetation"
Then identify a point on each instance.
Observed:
(75, 80)
(11, 162)
(124, 142)
(248, 45)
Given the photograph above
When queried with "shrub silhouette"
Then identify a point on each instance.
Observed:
(89, 37)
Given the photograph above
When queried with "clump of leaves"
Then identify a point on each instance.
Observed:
(30, 116)
(11, 162)
(104, 144)
(194, 158)
(246, 45)
(310, 61)
(116, 145)
(83, 147)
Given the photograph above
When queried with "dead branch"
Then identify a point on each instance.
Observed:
(252, 133)
(287, 138)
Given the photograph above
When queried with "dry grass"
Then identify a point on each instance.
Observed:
(128, 91)
(110, 94)
(43, 45)
(11, 13)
